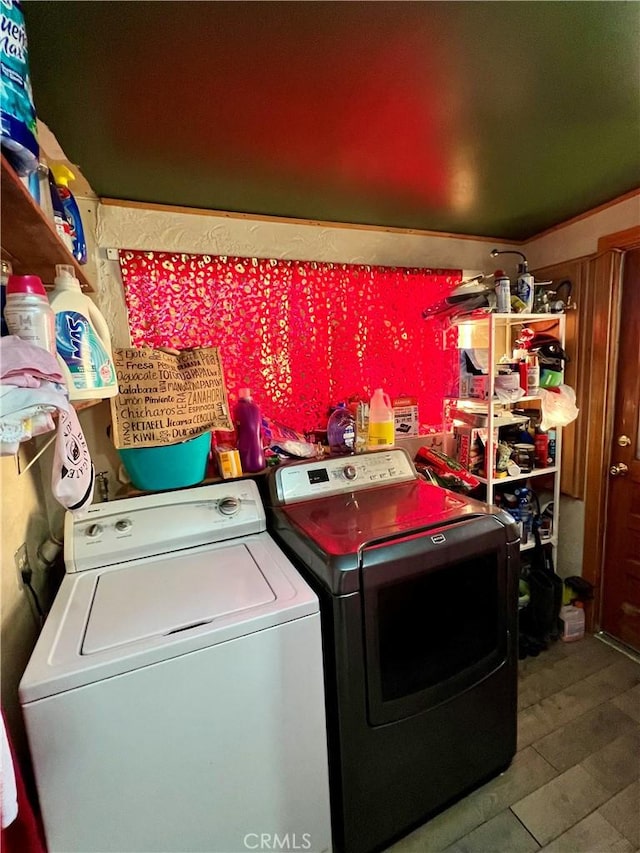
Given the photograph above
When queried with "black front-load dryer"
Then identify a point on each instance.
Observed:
(418, 598)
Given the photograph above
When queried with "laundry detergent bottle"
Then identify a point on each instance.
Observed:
(83, 343)
(381, 422)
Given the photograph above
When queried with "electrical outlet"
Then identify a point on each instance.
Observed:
(22, 563)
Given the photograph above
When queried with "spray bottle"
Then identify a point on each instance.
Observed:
(524, 287)
(524, 284)
(503, 292)
(62, 175)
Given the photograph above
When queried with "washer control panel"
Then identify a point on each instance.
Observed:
(320, 478)
(152, 525)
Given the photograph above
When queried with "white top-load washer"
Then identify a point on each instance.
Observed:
(174, 700)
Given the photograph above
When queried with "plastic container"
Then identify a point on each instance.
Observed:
(525, 287)
(170, 466)
(341, 432)
(571, 623)
(60, 220)
(248, 422)
(550, 378)
(18, 130)
(62, 175)
(27, 312)
(381, 431)
(82, 340)
(524, 456)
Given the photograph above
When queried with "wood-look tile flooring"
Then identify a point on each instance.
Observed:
(574, 784)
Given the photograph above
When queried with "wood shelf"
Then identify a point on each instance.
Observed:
(29, 240)
(81, 405)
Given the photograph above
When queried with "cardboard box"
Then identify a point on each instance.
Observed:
(470, 443)
(479, 387)
(229, 463)
(473, 379)
(405, 415)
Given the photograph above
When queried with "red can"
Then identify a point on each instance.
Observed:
(541, 440)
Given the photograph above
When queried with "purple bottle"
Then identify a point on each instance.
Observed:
(248, 423)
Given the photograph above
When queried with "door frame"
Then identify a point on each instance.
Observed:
(606, 317)
(592, 337)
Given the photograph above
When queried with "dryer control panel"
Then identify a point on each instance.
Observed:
(320, 478)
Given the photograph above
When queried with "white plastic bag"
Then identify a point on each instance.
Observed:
(558, 407)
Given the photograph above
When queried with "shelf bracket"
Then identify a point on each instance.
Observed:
(36, 457)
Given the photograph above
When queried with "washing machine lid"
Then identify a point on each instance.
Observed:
(166, 597)
(111, 621)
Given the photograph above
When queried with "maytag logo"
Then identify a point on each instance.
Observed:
(439, 539)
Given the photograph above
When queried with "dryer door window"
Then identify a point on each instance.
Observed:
(436, 617)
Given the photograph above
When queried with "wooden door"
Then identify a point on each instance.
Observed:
(620, 614)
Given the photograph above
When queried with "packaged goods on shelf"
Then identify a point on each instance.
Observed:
(405, 414)
(473, 378)
(228, 459)
(470, 443)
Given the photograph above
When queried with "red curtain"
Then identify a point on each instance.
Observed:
(302, 335)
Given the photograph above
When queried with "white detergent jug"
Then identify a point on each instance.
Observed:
(381, 423)
(83, 343)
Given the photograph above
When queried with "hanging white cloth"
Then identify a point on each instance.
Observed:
(31, 391)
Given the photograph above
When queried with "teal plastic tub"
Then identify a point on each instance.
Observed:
(170, 466)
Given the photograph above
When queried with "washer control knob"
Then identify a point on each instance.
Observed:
(123, 524)
(229, 506)
(350, 472)
(94, 530)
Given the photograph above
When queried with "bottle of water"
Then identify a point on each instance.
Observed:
(525, 512)
(248, 422)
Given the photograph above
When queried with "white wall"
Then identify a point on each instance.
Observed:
(124, 227)
(220, 234)
(579, 236)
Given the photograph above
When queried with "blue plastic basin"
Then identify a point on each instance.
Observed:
(170, 466)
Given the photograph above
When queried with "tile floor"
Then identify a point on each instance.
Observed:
(574, 784)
